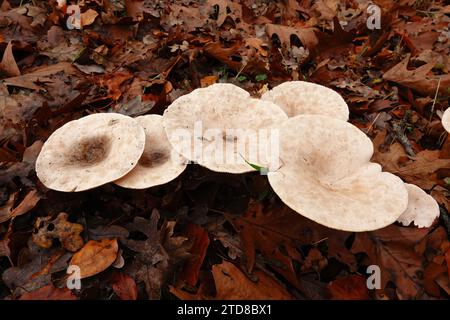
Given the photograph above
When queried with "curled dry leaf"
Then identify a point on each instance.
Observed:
(200, 242)
(95, 257)
(28, 203)
(8, 63)
(68, 233)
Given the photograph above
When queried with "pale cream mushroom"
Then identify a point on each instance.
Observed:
(221, 128)
(422, 208)
(89, 152)
(300, 97)
(326, 175)
(159, 163)
(446, 120)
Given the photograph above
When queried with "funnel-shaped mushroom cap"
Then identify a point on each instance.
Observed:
(159, 163)
(220, 127)
(422, 208)
(326, 175)
(300, 97)
(446, 120)
(91, 151)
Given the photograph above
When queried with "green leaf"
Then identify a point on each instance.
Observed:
(447, 181)
(260, 169)
(261, 77)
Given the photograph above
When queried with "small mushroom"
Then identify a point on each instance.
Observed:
(221, 128)
(326, 176)
(89, 152)
(300, 97)
(159, 163)
(422, 208)
(446, 120)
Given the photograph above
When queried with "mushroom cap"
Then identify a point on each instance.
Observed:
(446, 120)
(220, 127)
(326, 175)
(422, 208)
(89, 152)
(300, 97)
(159, 163)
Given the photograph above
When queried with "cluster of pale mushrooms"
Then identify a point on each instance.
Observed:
(324, 170)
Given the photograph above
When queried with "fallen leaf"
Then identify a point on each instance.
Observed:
(124, 286)
(420, 79)
(306, 35)
(49, 292)
(392, 249)
(40, 75)
(158, 255)
(277, 232)
(8, 63)
(352, 287)
(95, 257)
(59, 228)
(28, 203)
(207, 81)
(200, 242)
(232, 284)
(88, 17)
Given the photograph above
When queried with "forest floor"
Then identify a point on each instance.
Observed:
(207, 235)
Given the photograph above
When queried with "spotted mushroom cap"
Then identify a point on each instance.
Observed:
(422, 208)
(301, 97)
(89, 152)
(159, 163)
(220, 127)
(326, 175)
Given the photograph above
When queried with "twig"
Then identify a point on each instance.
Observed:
(401, 137)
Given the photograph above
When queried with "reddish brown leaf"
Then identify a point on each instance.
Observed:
(200, 243)
(352, 287)
(124, 286)
(232, 284)
(49, 292)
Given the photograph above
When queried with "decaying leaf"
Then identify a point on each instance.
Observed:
(232, 284)
(156, 257)
(68, 233)
(95, 257)
(352, 287)
(49, 292)
(392, 249)
(124, 286)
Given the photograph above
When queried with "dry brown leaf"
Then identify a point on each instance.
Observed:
(420, 79)
(95, 257)
(232, 284)
(59, 228)
(49, 292)
(88, 17)
(306, 35)
(124, 286)
(8, 64)
(352, 287)
(41, 74)
(420, 170)
(28, 203)
(392, 249)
